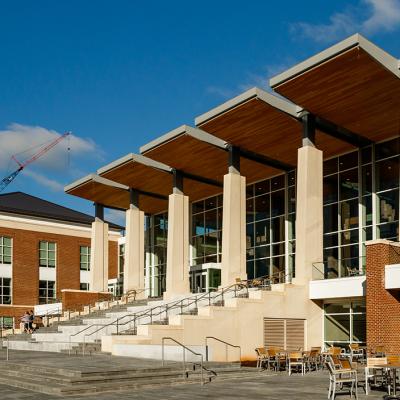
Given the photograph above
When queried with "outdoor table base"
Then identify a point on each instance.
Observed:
(394, 368)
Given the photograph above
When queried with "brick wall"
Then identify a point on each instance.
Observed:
(75, 300)
(112, 260)
(383, 306)
(25, 279)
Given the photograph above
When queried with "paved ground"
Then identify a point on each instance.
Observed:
(272, 387)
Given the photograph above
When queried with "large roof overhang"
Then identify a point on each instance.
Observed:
(267, 124)
(353, 84)
(99, 190)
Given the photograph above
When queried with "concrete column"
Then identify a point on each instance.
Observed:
(309, 214)
(233, 229)
(134, 251)
(177, 279)
(99, 256)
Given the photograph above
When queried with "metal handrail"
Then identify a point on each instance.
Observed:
(184, 348)
(162, 308)
(324, 273)
(226, 348)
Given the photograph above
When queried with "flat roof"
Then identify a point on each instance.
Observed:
(356, 40)
(271, 99)
(353, 84)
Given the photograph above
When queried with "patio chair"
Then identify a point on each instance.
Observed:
(314, 359)
(356, 354)
(296, 360)
(380, 351)
(262, 357)
(340, 378)
(276, 358)
(371, 371)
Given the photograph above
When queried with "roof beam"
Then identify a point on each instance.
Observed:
(265, 160)
(341, 133)
(201, 179)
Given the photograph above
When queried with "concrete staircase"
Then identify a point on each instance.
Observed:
(60, 381)
(81, 332)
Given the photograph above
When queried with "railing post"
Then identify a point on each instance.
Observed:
(184, 363)
(162, 351)
(202, 372)
(117, 326)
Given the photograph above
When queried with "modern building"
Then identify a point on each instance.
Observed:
(301, 186)
(44, 248)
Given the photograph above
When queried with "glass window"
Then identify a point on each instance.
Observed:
(345, 323)
(331, 218)
(349, 160)
(388, 206)
(5, 250)
(5, 290)
(84, 252)
(262, 207)
(277, 203)
(331, 166)
(121, 259)
(206, 229)
(387, 174)
(84, 286)
(47, 254)
(331, 189)
(47, 292)
(262, 187)
(387, 149)
(348, 184)
(349, 214)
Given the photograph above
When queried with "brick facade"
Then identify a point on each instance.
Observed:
(383, 306)
(75, 300)
(25, 265)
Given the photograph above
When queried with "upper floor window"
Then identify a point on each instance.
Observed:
(5, 290)
(47, 254)
(5, 250)
(84, 258)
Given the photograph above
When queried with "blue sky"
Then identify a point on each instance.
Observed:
(120, 73)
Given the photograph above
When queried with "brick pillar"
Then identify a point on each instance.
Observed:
(383, 306)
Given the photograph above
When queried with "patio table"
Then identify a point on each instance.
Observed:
(394, 368)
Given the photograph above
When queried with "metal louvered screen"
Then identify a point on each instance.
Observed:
(274, 333)
(286, 334)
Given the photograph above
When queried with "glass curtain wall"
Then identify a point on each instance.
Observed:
(361, 202)
(206, 231)
(345, 323)
(270, 219)
(156, 228)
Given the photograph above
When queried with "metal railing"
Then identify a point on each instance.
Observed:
(184, 349)
(343, 268)
(227, 345)
(210, 298)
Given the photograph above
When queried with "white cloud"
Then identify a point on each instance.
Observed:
(44, 181)
(17, 139)
(369, 17)
(385, 16)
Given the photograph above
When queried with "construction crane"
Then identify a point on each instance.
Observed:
(8, 179)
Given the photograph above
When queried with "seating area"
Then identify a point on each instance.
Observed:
(349, 369)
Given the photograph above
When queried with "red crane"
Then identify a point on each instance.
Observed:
(8, 179)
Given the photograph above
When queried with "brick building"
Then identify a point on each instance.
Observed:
(44, 248)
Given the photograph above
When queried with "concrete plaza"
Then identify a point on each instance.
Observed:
(263, 385)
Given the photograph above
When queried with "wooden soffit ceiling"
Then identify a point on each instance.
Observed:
(353, 90)
(257, 126)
